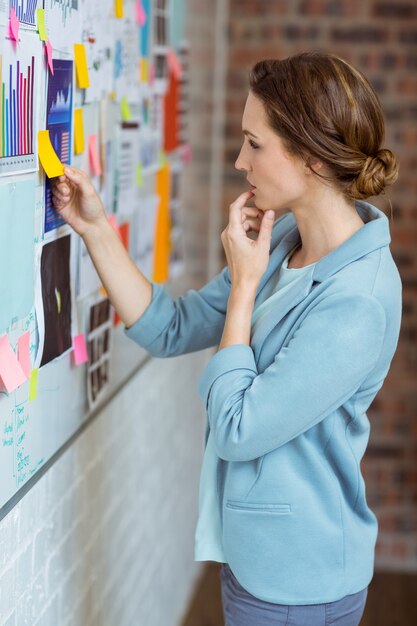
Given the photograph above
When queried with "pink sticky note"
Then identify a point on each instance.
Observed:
(14, 25)
(140, 13)
(94, 155)
(23, 353)
(174, 63)
(187, 154)
(48, 50)
(11, 371)
(114, 224)
(151, 73)
(80, 349)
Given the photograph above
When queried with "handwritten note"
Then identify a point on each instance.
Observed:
(78, 131)
(83, 79)
(11, 371)
(33, 385)
(14, 25)
(48, 50)
(80, 349)
(40, 20)
(47, 155)
(94, 155)
(23, 353)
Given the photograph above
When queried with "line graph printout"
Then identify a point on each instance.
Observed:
(19, 67)
(64, 23)
(59, 124)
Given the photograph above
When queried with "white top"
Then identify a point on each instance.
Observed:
(208, 535)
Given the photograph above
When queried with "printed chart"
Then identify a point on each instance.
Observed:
(18, 84)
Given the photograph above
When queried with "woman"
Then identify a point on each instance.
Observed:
(307, 318)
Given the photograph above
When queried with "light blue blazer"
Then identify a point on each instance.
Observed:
(288, 413)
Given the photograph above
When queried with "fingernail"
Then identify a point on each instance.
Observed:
(270, 213)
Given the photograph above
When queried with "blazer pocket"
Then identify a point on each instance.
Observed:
(280, 509)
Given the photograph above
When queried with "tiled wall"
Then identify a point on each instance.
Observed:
(105, 538)
(379, 37)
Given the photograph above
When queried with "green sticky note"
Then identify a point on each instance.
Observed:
(40, 19)
(126, 114)
(162, 158)
(33, 385)
(139, 176)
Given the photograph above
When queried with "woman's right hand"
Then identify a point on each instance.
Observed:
(76, 200)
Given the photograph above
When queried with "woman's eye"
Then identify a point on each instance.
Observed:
(253, 144)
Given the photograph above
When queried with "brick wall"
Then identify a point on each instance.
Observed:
(380, 38)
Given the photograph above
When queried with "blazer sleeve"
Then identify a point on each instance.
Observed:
(169, 327)
(327, 359)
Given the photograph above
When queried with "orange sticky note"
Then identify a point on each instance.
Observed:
(125, 234)
(11, 371)
(40, 20)
(81, 67)
(48, 50)
(94, 155)
(47, 155)
(78, 131)
(163, 227)
(23, 353)
(80, 349)
(14, 25)
(118, 8)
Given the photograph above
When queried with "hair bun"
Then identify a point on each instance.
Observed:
(377, 172)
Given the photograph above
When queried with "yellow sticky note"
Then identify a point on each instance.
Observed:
(47, 155)
(163, 227)
(40, 20)
(125, 108)
(144, 70)
(33, 385)
(83, 78)
(118, 8)
(78, 131)
(139, 176)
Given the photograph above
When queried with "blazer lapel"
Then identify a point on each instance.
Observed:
(296, 292)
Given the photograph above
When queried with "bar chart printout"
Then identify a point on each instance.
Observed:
(18, 84)
(26, 10)
(59, 124)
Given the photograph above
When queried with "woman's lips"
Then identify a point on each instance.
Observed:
(252, 187)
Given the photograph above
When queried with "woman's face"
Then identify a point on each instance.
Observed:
(278, 180)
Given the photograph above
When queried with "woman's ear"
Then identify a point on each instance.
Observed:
(313, 163)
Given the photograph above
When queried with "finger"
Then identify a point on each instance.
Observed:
(265, 230)
(63, 188)
(236, 207)
(77, 178)
(251, 212)
(251, 225)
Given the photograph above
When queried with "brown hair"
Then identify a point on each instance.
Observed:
(323, 107)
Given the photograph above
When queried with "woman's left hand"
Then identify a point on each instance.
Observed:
(247, 259)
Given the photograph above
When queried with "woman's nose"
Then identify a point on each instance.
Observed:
(239, 163)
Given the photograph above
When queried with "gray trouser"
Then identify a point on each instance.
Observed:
(242, 609)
